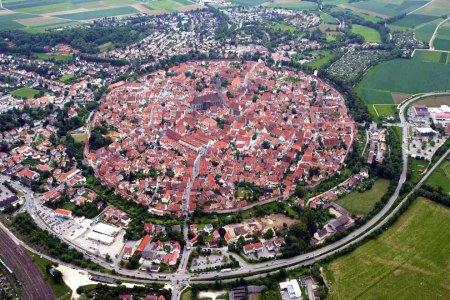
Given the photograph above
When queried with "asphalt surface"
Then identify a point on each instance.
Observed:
(33, 285)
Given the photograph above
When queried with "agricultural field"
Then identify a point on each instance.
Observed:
(25, 93)
(363, 203)
(435, 8)
(422, 73)
(290, 4)
(408, 261)
(433, 101)
(33, 15)
(370, 35)
(425, 31)
(441, 177)
(385, 8)
(442, 39)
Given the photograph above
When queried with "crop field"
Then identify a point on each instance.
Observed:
(410, 260)
(363, 203)
(248, 2)
(292, 4)
(425, 31)
(25, 92)
(441, 177)
(414, 20)
(385, 8)
(38, 15)
(370, 35)
(435, 8)
(442, 39)
(435, 101)
(408, 76)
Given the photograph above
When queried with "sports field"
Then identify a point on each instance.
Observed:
(379, 111)
(38, 15)
(425, 72)
(25, 93)
(408, 261)
(363, 203)
(441, 177)
(370, 35)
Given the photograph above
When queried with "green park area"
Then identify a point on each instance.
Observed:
(25, 93)
(370, 35)
(362, 203)
(408, 261)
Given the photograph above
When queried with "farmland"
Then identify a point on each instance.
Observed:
(291, 4)
(442, 38)
(441, 177)
(408, 261)
(422, 73)
(32, 15)
(385, 8)
(370, 35)
(363, 203)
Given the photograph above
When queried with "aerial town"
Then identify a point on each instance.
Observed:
(219, 150)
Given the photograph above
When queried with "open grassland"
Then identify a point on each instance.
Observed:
(363, 203)
(370, 35)
(53, 57)
(25, 93)
(442, 39)
(385, 110)
(385, 8)
(441, 177)
(407, 76)
(248, 2)
(292, 4)
(414, 20)
(410, 260)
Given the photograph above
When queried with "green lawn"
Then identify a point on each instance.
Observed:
(167, 5)
(53, 57)
(186, 294)
(370, 35)
(25, 92)
(61, 291)
(409, 261)
(363, 203)
(385, 110)
(441, 177)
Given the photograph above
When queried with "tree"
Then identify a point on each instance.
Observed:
(269, 234)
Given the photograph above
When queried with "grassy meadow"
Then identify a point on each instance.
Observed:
(370, 35)
(362, 203)
(408, 261)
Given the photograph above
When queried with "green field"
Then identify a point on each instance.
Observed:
(248, 2)
(322, 58)
(385, 8)
(424, 32)
(414, 20)
(408, 261)
(363, 203)
(441, 177)
(408, 76)
(416, 168)
(370, 35)
(167, 5)
(25, 93)
(442, 39)
(53, 57)
(67, 78)
(379, 111)
(102, 13)
(295, 5)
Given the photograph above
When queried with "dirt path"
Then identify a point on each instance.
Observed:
(434, 33)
